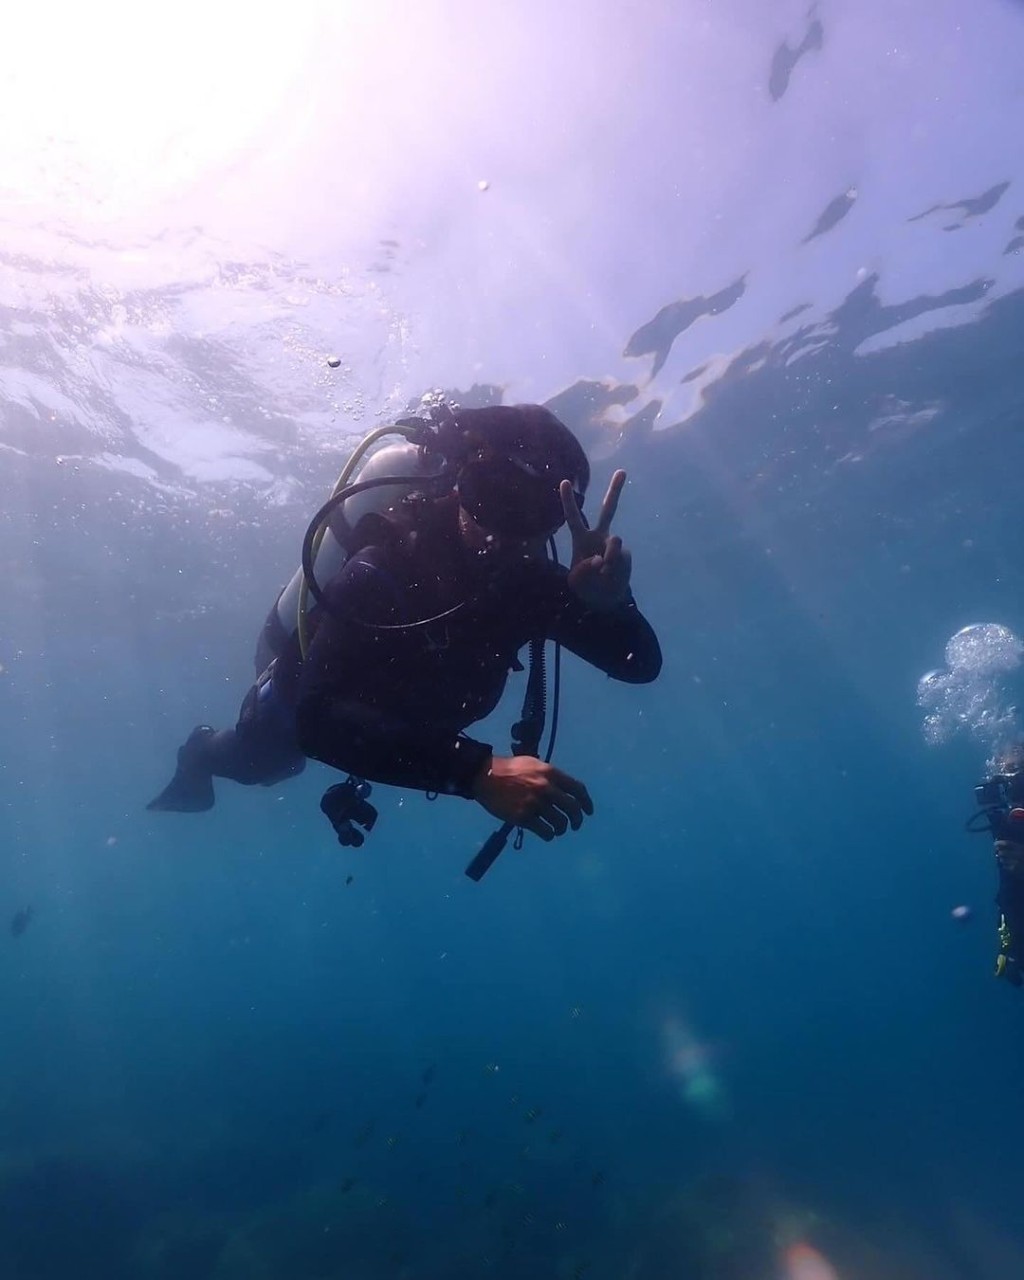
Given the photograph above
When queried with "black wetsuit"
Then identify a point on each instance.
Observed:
(387, 696)
(1010, 900)
(1003, 820)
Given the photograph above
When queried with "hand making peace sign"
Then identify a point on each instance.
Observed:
(600, 569)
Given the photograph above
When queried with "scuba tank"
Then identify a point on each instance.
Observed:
(384, 479)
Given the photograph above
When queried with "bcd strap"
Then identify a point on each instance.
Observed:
(526, 735)
(529, 728)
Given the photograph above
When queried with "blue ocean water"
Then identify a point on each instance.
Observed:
(728, 1031)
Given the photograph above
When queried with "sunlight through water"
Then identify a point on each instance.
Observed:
(120, 105)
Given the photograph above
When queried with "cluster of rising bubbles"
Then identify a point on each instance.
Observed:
(971, 694)
(433, 400)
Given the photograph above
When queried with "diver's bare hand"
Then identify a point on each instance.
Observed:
(601, 566)
(532, 794)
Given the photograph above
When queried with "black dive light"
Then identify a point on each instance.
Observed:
(491, 849)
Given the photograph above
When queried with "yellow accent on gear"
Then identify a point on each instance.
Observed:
(1005, 940)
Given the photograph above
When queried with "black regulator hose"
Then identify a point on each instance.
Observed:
(328, 509)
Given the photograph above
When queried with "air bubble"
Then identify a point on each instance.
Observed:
(970, 694)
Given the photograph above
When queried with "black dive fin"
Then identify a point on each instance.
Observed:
(185, 793)
(191, 788)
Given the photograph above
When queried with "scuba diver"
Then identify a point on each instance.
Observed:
(1000, 801)
(420, 584)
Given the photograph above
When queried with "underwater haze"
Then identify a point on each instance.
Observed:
(768, 258)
